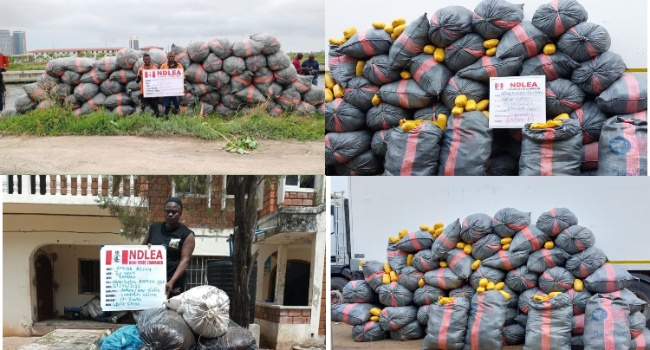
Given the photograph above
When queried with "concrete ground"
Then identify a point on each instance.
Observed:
(13, 343)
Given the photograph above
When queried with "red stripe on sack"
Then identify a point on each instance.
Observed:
(495, 248)
(395, 253)
(579, 326)
(107, 64)
(592, 51)
(523, 38)
(119, 99)
(643, 115)
(450, 165)
(534, 242)
(338, 126)
(434, 20)
(346, 312)
(475, 53)
(452, 82)
(401, 94)
(266, 79)
(548, 259)
(77, 64)
(247, 45)
(92, 104)
(571, 104)
(441, 278)
(559, 28)
(546, 160)
(197, 76)
(393, 302)
(486, 61)
(556, 226)
(446, 242)
(444, 327)
(123, 75)
(608, 324)
(373, 276)
(504, 24)
(423, 68)
(93, 74)
(503, 255)
(415, 242)
(370, 89)
(456, 259)
(366, 45)
(564, 285)
(583, 270)
(550, 93)
(411, 150)
(581, 117)
(476, 327)
(633, 92)
(408, 44)
(579, 245)
(548, 67)
(640, 342)
(517, 227)
(611, 277)
(546, 325)
(380, 75)
(633, 158)
(354, 283)
(249, 95)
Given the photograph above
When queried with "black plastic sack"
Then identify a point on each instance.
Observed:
(551, 151)
(359, 291)
(378, 70)
(343, 147)
(163, 329)
(466, 292)
(379, 143)
(415, 152)
(460, 263)
(529, 239)
(545, 259)
(521, 279)
(385, 116)
(343, 117)
(608, 278)
(447, 325)
(394, 294)
(352, 313)
(373, 272)
(427, 295)
(236, 338)
(508, 221)
(466, 145)
(431, 112)
(554, 66)
(359, 93)
(492, 18)
(506, 260)
(622, 149)
(443, 278)
(410, 43)
(486, 246)
(523, 40)
(575, 239)
(430, 75)
(394, 318)
(630, 298)
(415, 241)
(556, 220)
(597, 74)
(562, 96)
(270, 44)
(526, 297)
(367, 43)
(411, 331)
(396, 257)
(464, 51)
(585, 40)
(474, 90)
(409, 278)
(486, 319)
(475, 227)
(556, 279)
(369, 331)
(492, 274)
(514, 334)
(606, 323)
(423, 261)
(487, 67)
(405, 93)
(556, 17)
(449, 24)
(549, 324)
(591, 120)
(366, 164)
(584, 263)
(447, 240)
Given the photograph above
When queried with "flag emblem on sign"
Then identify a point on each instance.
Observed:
(498, 86)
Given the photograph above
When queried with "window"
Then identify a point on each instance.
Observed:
(197, 271)
(192, 186)
(88, 276)
(293, 182)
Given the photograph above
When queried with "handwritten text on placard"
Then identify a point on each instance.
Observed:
(516, 101)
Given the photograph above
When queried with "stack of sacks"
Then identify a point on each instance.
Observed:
(221, 77)
(438, 69)
(536, 281)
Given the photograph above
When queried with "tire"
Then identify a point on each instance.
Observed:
(641, 289)
(336, 294)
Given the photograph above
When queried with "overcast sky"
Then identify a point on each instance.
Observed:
(299, 25)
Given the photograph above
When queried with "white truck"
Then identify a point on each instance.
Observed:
(614, 209)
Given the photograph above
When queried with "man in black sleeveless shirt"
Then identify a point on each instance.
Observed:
(179, 242)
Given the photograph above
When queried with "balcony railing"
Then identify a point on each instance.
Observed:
(67, 189)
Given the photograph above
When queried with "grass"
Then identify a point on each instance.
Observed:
(26, 66)
(257, 123)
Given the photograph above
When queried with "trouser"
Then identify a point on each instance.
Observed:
(2, 102)
(168, 100)
(151, 102)
(314, 81)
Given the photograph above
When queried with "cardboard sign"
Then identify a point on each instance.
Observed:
(516, 101)
(163, 82)
(132, 277)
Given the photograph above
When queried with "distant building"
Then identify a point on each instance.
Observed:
(147, 48)
(6, 47)
(20, 42)
(134, 43)
(87, 52)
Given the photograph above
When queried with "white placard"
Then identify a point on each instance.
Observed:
(163, 82)
(132, 277)
(516, 101)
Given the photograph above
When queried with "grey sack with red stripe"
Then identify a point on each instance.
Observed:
(245, 47)
(449, 24)
(460, 263)
(373, 272)
(352, 313)
(369, 331)
(423, 314)
(411, 331)
(523, 40)
(198, 51)
(427, 295)
(385, 116)
(492, 18)
(341, 116)
(521, 279)
(553, 66)
(85, 91)
(549, 324)
(120, 99)
(343, 147)
(630, 298)
(492, 274)
(410, 43)
(622, 149)
(359, 92)
(486, 246)
(514, 334)
(553, 151)
(606, 323)
(544, 259)
(487, 67)
(591, 120)
(529, 239)
(556, 279)
(584, 263)
(415, 241)
(394, 294)
(342, 67)
(270, 44)
(608, 278)
(447, 240)
(423, 261)
(642, 341)
(556, 220)
(575, 239)
(509, 221)
(196, 74)
(475, 227)
(447, 325)
(365, 164)
(409, 277)
(394, 318)
(628, 94)
(562, 96)
(359, 291)
(443, 278)
(466, 292)
(466, 145)
(396, 257)
(430, 75)
(378, 70)
(415, 152)
(280, 61)
(597, 74)
(486, 319)
(431, 112)
(474, 90)
(379, 142)
(584, 41)
(557, 16)
(405, 93)
(464, 51)
(506, 260)
(526, 297)
(367, 43)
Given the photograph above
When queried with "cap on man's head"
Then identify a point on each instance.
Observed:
(175, 200)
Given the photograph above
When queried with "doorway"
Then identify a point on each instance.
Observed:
(44, 286)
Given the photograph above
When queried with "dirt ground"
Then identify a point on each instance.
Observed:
(150, 155)
(13, 343)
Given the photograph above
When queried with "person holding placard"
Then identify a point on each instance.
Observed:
(168, 100)
(147, 101)
(179, 242)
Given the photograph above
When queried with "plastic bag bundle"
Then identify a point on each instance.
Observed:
(126, 58)
(521, 279)
(506, 260)
(575, 239)
(508, 221)
(606, 323)
(106, 64)
(409, 278)
(277, 61)
(556, 220)
(396, 257)
(591, 120)
(394, 294)
(342, 67)
(585, 40)
(359, 92)
(466, 145)
(405, 93)
(487, 67)
(413, 330)
(523, 40)
(352, 313)
(423, 261)
(358, 291)
(161, 328)
(596, 75)
(394, 318)
(554, 66)
(410, 43)
(486, 319)
(236, 338)
(443, 278)
(551, 151)
(84, 92)
(343, 147)
(584, 263)
(94, 76)
(205, 309)
(486, 247)
(449, 24)
(475, 227)
(373, 271)
(556, 279)
(492, 274)
(529, 239)
(464, 51)
(367, 43)
(246, 47)
(447, 240)
(369, 331)
(460, 263)
(365, 164)
(608, 278)
(545, 259)
(379, 143)
(492, 18)
(447, 325)
(557, 17)
(549, 323)
(430, 75)
(343, 117)
(222, 47)
(622, 149)
(415, 152)
(124, 338)
(460, 86)
(415, 241)
(253, 63)
(385, 116)
(379, 71)
(562, 96)
(270, 44)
